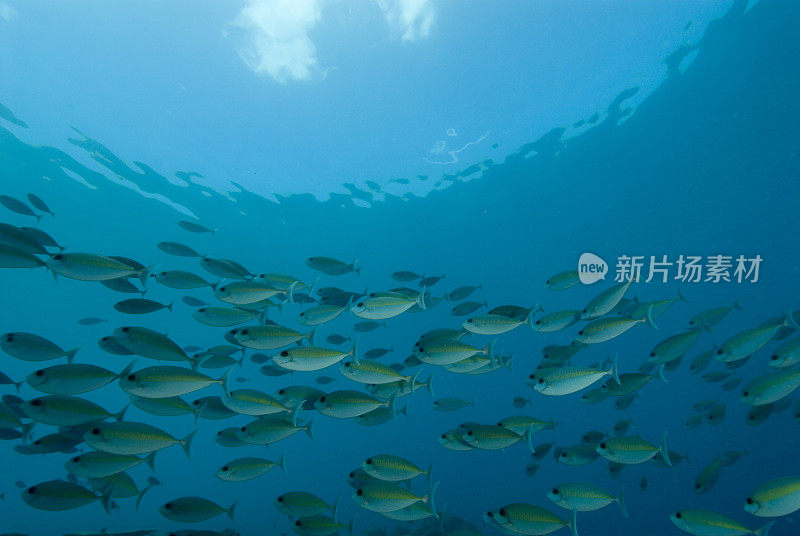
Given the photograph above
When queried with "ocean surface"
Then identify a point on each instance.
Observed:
(706, 165)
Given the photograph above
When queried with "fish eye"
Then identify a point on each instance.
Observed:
(36, 402)
(697, 486)
(76, 459)
(222, 289)
(555, 491)
(125, 330)
(95, 431)
(226, 468)
(352, 474)
(360, 492)
(281, 391)
(719, 352)
(369, 461)
(284, 353)
(444, 436)
(202, 310)
(603, 445)
(469, 321)
(531, 376)
(323, 398)
(37, 442)
(470, 433)
(749, 500)
(132, 377)
(245, 331)
(563, 454)
(541, 381)
(302, 314)
(652, 354)
(774, 357)
(678, 515)
(243, 428)
(39, 373)
(58, 257)
(298, 523)
(547, 282)
(584, 311)
(580, 332)
(691, 322)
(280, 499)
(502, 511)
(489, 514)
(168, 506)
(32, 490)
(360, 304)
(10, 337)
(746, 393)
(538, 322)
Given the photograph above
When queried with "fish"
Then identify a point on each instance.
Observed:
(771, 387)
(300, 504)
(565, 381)
(605, 329)
(331, 266)
(31, 347)
(584, 497)
(774, 498)
(391, 468)
(59, 495)
(562, 280)
(181, 280)
(140, 306)
(385, 307)
(168, 381)
(707, 523)
(12, 257)
(346, 404)
(605, 302)
(194, 510)
(311, 358)
(381, 496)
(556, 321)
(447, 405)
(712, 317)
(92, 267)
(224, 316)
(177, 249)
(99, 464)
(522, 518)
(194, 227)
(15, 205)
(39, 204)
(462, 293)
(466, 308)
(492, 324)
(632, 449)
(128, 437)
(269, 337)
(73, 379)
(148, 343)
(63, 410)
(243, 469)
(746, 343)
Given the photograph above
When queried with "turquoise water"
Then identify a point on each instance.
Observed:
(705, 165)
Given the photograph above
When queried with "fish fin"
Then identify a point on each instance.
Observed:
(664, 450)
(150, 460)
(390, 403)
(186, 443)
(413, 379)
(356, 270)
(169, 306)
(621, 502)
(310, 336)
(351, 526)
(404, 410)
(354, 351)
(681, 297)
(529, 439)
(231, 510)
(489, 350)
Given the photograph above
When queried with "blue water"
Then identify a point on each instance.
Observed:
(706, 164)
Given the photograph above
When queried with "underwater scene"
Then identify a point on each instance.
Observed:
(398, 268)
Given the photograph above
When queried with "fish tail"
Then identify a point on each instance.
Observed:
(18, 384)
(186, 443)
(144, 273)
(664, 450)
(404, 411)
(429, 385)
(141, 494)
(231, 510)
(680, 296)
(614, 371)
(791, 321)
(764, 531)
(282, 463)
(357, 270)
(307, 428)
(430, 498)
(105, 499)
(354, 353)
(70, 355)
(413, 380)
(391, 405)
(573, 523)
(223, 381)
(169, 306)
(350, 527)
(621, 502)
(661, 373)
(529, 439)
(127, 370)
(150, 460)
(310, 336)
(649, 318)
(121, 413)
(489, 350)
